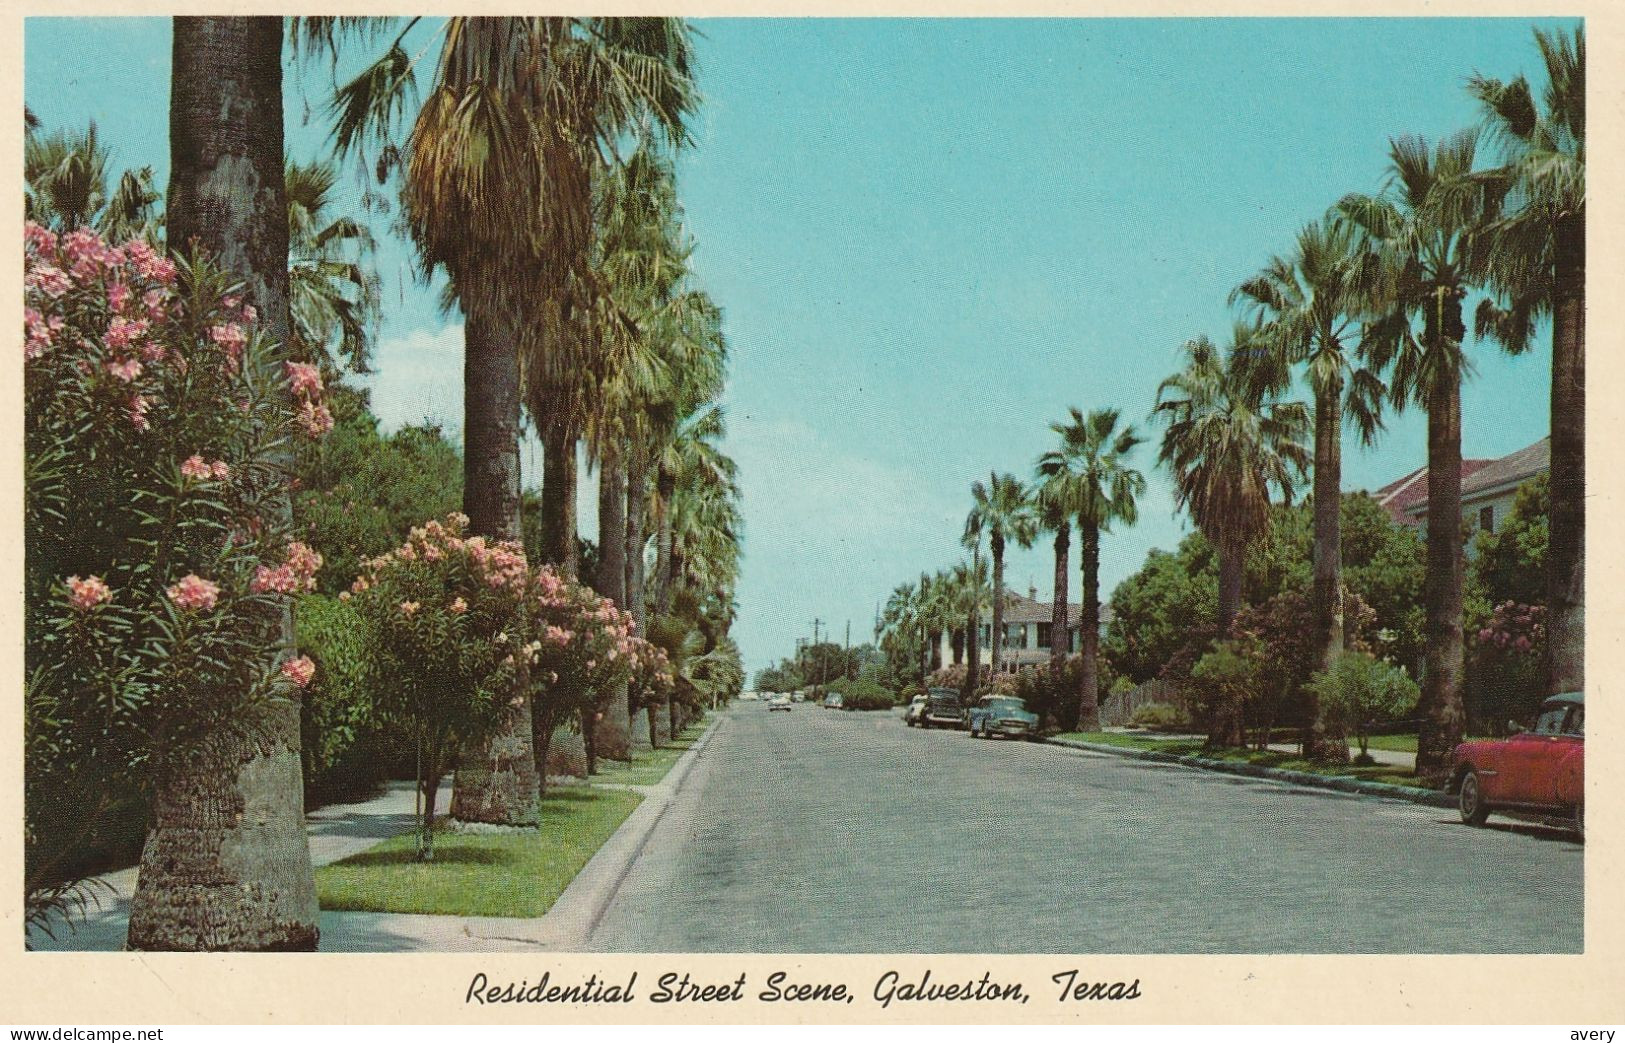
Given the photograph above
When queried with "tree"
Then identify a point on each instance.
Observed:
(211, 877)
(1095, 484)
(1055, 516)
(1358, 689)
(65, 187)
(1310, 303)
(1228, 440)
(1155, 610)
(1537, 261)
(1426, 232)
(333, 289)
(964, 598)
(1003, 511)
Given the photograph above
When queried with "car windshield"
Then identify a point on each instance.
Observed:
(1006, 705)
(1550, 721)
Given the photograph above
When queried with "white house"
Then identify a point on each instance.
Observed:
(1027, 626)
(1488, 488)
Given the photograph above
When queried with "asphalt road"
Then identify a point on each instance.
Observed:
(823, 831)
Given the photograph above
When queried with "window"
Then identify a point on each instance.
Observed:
(1551, 721)
(1486, 519)
(1043, 635)
(1577, 722)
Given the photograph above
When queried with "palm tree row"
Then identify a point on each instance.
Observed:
(1368, 309)
(536, 177)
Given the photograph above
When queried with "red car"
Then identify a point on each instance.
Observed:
(1540, 771)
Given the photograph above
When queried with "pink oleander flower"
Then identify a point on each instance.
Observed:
(122, 332)
(196, 468)
(314, 418)
(124, 369)
(221, 470)
(345, 595)
(304, 378)
(408, 607)
(154, 352)
(231, 337)
(407, 553)
(229, 302)
(154, 302)
(194, 593)
(299, 670)
(49, 280)
(249, 315)
(40, 238)
(459, 606)
(360, 585)
(137, 412)
(458, 519)
(118, 296)
(149, 263)
(87, 593)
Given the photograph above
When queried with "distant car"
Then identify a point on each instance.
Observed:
(779, 702)
(748, 697)
(1000, 715)
(943, 709)
(915, 711)
(833, 701)
(1540, 771)
(798, 697)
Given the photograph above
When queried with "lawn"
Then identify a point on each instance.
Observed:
(477, 874)
(651, 765)
(1385, 773)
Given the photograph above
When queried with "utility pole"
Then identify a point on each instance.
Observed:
(846, 662)
(816, 624)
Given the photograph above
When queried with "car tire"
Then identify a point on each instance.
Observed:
(1580, 819)
(1470, 800)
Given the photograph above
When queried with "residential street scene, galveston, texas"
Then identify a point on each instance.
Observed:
(665, 485)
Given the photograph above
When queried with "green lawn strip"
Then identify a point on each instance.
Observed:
(648, 767)
(1385, 773)
(480, 874)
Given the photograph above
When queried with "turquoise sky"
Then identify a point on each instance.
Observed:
(930, 237)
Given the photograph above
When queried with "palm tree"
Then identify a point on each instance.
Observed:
(213, 877)
(1537, 262)
(1229, 438)
(1427, 232)
(65, 187)
(499, 175)
(1003, 511)
(1089, 477)
(1311, 303)
(333, 290)
(966, 596)
(1054, 515)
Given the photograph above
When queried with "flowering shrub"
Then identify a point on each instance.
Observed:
(443, 623)
(156, 416)
(1508, 665)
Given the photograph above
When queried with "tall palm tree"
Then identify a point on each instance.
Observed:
(1089, 477)
(498, 192)
(1003, 511)
(1311, 303)
(1427, 232)
(967, 595)
(1537, 262)
(1228, 439)
(1055, 515)
(65, 186)
(333, 289)
(226, 864)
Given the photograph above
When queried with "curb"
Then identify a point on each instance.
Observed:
(576, 913)
(1413, 794)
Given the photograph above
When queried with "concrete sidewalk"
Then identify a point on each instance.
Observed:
(338, 831)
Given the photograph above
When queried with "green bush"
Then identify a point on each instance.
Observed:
(1160, 717)
(863, 693)
(346, 750)
(1360, 688)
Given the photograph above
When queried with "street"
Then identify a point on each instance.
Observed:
(824, 831)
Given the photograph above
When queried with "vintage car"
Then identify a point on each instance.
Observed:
(1538, 771)
(942, 708)
(779, 702)
(915, 711)
(1000, 715)
(833, 701)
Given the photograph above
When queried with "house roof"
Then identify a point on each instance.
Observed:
(1495, 476)
(1019, 609)
(1399, 496)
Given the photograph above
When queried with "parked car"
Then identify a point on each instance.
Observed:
(1539, 771)
(779, 702)
(943, 709)
(1000, 715)
(748, 697)
(915, 711)
(833, 701)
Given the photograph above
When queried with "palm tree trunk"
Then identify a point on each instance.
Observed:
(1565, 553)
(665, 489)
(1089, 628)
(1232, 569)
(226, 863)
(997, 635)
(559, 502)
(1060, 632)
(612, 736)
(1440, 706)
(1322, 741)
(637, 495)
(496, 778)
